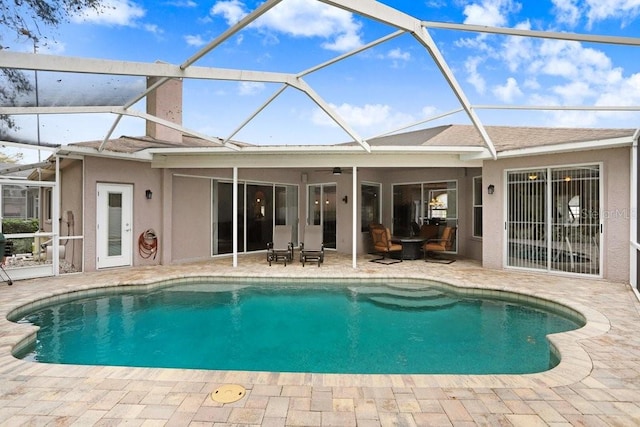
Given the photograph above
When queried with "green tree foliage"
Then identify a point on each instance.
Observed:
(31, 19)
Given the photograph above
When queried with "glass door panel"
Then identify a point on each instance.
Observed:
(322, 211)
(223, 218)
(575, 237)
(259, 216)
(526, 219)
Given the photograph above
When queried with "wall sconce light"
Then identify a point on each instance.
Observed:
(491, 188)
(337, 171)
(345, 199)
(148, 194)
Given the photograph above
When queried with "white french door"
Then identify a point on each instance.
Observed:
(322, 211)
(114, 225)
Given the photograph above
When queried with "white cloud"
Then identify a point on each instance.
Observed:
(399, 54)
(509, 91)
(370, 118)
(124, 13)
(153, 28)
(250, 88)
(567, 11)
(185, 3)
(300, 18)
(474, 77)
(599, 10)
(231, 10)
(571, 12)
(490, 12)
(196, 41)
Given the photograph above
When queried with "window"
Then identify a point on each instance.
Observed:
(48, 200)
(370, 205)
(433, 203)
(477, 206)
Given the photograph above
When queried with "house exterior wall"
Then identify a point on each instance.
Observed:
(146, 213)
(71, 201)
(615, 208)
(191, 219)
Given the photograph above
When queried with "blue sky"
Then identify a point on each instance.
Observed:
(381, 89)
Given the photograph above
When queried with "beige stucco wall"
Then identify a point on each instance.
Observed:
(187, 204)
(615, 210)
(146, 213)
(71, 201)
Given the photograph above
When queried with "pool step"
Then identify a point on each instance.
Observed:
(413, 299)
(413, 303)
(397, 292)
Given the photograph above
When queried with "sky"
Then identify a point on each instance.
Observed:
(382, 89)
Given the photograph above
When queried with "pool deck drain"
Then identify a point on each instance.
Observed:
(599, 387)
(228, 393)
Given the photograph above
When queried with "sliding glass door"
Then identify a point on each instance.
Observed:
(553, 220)
(260, 206)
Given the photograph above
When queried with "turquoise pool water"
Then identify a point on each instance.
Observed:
(322, 329)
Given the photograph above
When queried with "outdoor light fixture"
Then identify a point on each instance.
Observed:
(337, 171)
(491, 188)
(345, 199)
(148, 194)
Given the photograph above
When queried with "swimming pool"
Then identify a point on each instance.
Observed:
(355, 328)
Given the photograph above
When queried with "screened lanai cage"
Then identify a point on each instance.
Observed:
(551, 213)
(33, 228)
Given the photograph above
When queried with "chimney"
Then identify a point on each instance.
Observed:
(165, 103)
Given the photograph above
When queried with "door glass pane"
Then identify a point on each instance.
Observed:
(287, 209)
(370, 205)
(575, 237)
(114, 227)
(329, 216)
(259, 216)
(223, 218)
(314, 205)
(407, 200)
(526, 219)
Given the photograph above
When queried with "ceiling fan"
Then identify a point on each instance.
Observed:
(335, 171)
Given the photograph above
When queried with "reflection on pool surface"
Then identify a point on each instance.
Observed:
(285, 328)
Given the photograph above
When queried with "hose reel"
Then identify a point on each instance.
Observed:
(148, 244)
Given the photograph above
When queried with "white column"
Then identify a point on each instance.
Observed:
(235, 216)
(354, 221)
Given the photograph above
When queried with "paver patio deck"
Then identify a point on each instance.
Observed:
(596, 384)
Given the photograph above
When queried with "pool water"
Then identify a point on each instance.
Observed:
(321, 329)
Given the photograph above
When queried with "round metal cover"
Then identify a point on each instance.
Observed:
(228, 393)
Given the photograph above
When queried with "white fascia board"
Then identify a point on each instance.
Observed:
(429, 149)
(78, 150)
(598, 144)
(314, 160)
(316, 149)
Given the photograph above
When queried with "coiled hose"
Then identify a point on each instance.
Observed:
(148, 244)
